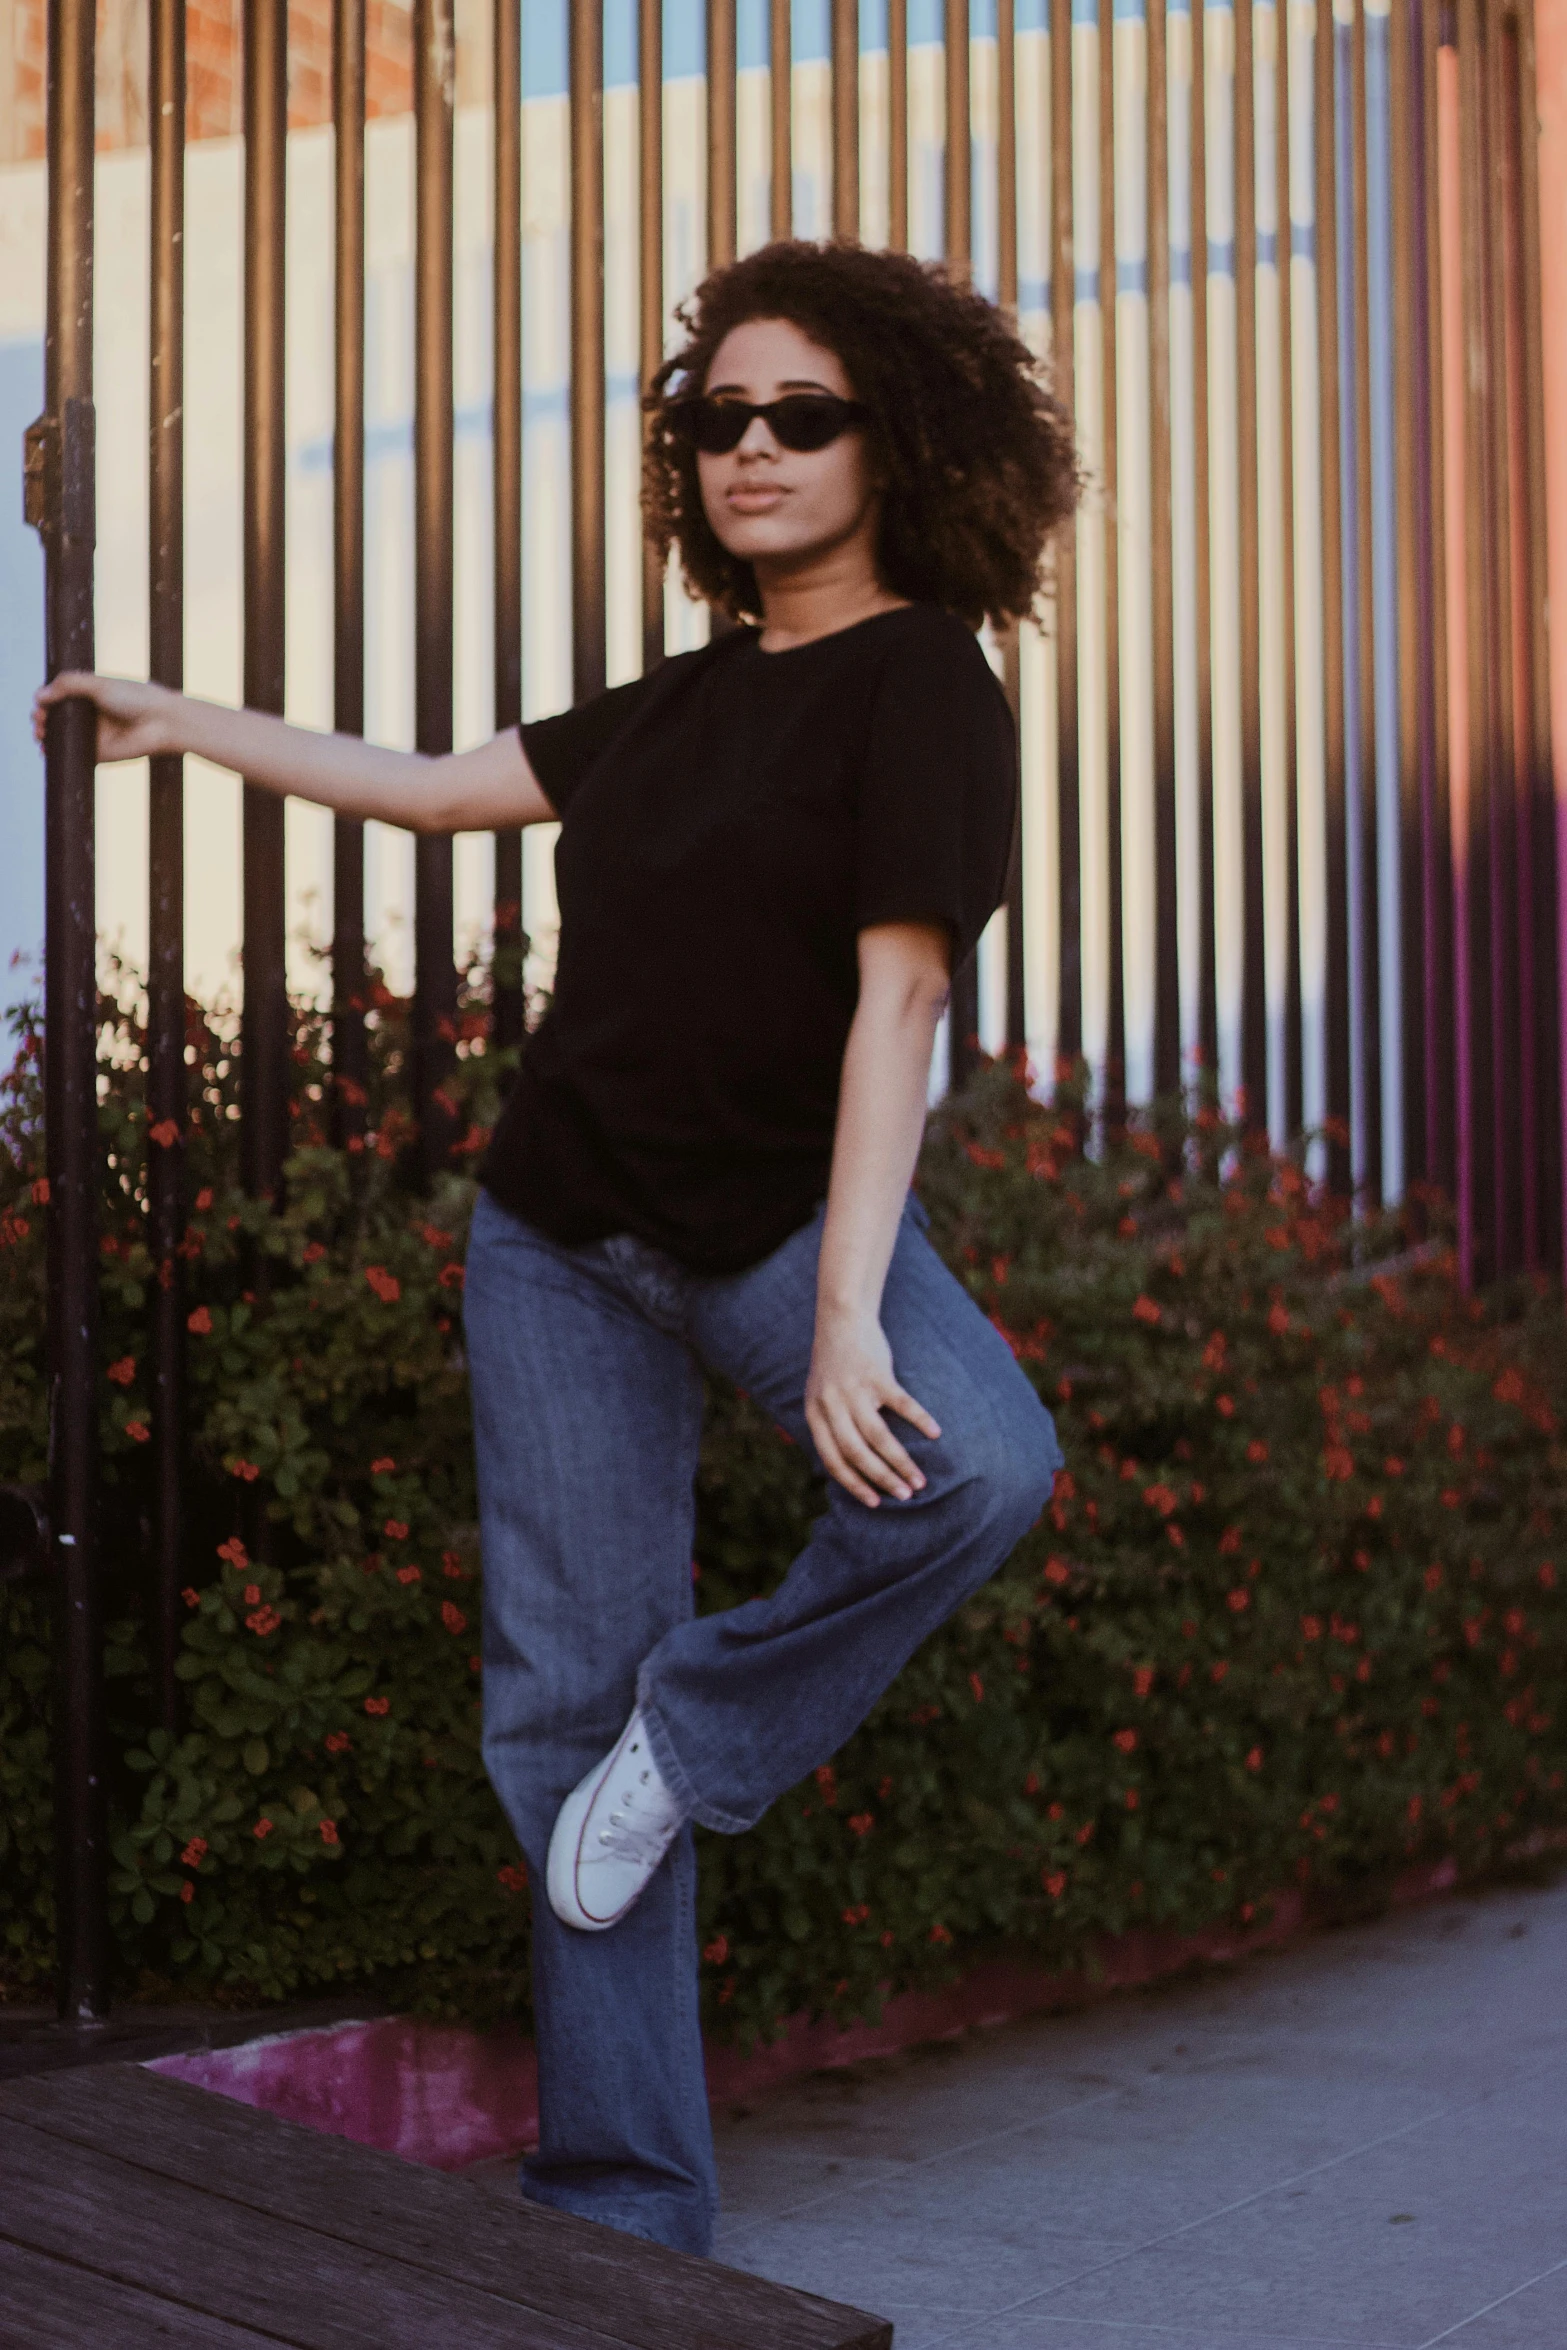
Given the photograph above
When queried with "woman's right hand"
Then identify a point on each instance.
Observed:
(134, 721)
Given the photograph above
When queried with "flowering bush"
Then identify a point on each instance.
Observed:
(1297, 1611)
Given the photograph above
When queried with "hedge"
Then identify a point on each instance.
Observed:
(1296, 1614)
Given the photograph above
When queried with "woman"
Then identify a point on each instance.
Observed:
(773, 854)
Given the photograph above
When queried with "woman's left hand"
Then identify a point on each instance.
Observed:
(851, 1384)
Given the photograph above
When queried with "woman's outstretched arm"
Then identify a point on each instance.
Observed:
(483, 790)
(881, 1117)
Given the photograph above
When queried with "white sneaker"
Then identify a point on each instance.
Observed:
(612, 1831)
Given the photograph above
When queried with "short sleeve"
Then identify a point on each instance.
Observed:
(938, 791)
(560, 750)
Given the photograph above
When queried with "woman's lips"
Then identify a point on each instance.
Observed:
(756, 501)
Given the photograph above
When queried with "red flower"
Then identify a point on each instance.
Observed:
(452, 1565)
(409, 1574)
(261, 1830)
(1126, 1740)
(203, 1200)
(1057, 1571)
(395, 1530)
(1392, 1466)
(194, 1853)
(1213, 1352)
(337, 1741)
(1162, 1498)
(1311, 1626)
(234, 1552)
(385, 1467)
(41, 1192)
(861, 1823)
(263, 1621)
(1338, 1463)
(1054, 1882)
(187, 1891)
(453, 1617)
(1256, 1450)
(1278, 1319)
(978, 1687)
(314, 1252)
(1217, 1672)
(1133, 1799)
(1142, 1680)
(1548, 1577)
(246, 1469)
(138, 1431)
(192, 1598)
(252, 1594)
(1224, 1405)
(716, 1953)
(1145, 1310)
(377, 1705)
(1230, 1540)
(1254, 1759)
(329, 1831)
(386, 1285)
(1239, 1599)
(474, 1663)
(514, 1877)
(940, 1933)
(200, 1322)
(858, 1915)
(165, 1134)
(451, 1276)
(122, 1372)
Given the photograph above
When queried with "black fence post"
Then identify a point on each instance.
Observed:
(507, 429)
(60, 502)
(435, 977)
(349, 1056)
(166, 835)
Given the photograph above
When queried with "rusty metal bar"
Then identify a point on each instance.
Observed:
(166, 836)
(780, 107)
(650, 105)
(264, 1020)
(898, 125)
(60, 502)
(350, 1059)
(1064, 616)
(845, 118)
(963, 1012)
(435, 976)
(1254, 1024)
(1337, 972)
(587, 353)
(721, 133)
(506, 362)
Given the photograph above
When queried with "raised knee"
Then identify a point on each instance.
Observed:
(1011, 1468)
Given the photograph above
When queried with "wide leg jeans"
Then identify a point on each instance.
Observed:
(587, 1392)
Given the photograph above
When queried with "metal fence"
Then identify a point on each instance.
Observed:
(1287, 810)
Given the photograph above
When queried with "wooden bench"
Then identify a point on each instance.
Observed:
(138, 2213)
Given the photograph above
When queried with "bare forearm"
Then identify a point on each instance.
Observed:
(881, 1118)
(336, 771)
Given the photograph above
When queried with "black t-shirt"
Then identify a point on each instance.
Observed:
(729, 823)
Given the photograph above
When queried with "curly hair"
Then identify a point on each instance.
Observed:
(976, 455)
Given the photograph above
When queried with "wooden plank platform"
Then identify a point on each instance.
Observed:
(138, 2213)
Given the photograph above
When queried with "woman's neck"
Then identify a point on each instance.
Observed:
(819, 603)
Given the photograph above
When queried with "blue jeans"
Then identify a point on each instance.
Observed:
(587, 1397)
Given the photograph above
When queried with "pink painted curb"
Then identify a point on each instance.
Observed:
(449, 2096)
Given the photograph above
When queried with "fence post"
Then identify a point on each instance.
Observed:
(587, 352)
(349, 1055)
(166, 835)
(507, 948)
(60, 504)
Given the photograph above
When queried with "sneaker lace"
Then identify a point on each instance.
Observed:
(638, 1840)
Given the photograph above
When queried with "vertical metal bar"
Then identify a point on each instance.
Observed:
(721, 133)
(1381, 491)
(1460, 553)
(963, 1016)
(587, 352)
(1338, 993)
(1366, 637)
(1514, 433)
(1408, 253)
(1110, 471)
(1011, 662)
(507, 431)
(1525, 106)
(1064, 617)
(1207, 972)
(1254, 1024)
(1436, 894)
(166, 832)
(349, 1052)
(1507, 1078)
(650, 297)
(957, 185)
(71, 1028)
(1167, 992)
(780, 105)
(435, 976)
(264, 1020)
(1547, 166)
(898, 124)
(845, 118)
(1290, 748)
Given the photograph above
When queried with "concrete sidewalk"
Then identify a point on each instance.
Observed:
(1361, 2143)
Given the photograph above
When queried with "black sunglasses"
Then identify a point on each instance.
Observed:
(799, 421)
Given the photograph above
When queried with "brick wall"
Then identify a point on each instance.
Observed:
(213, 57)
